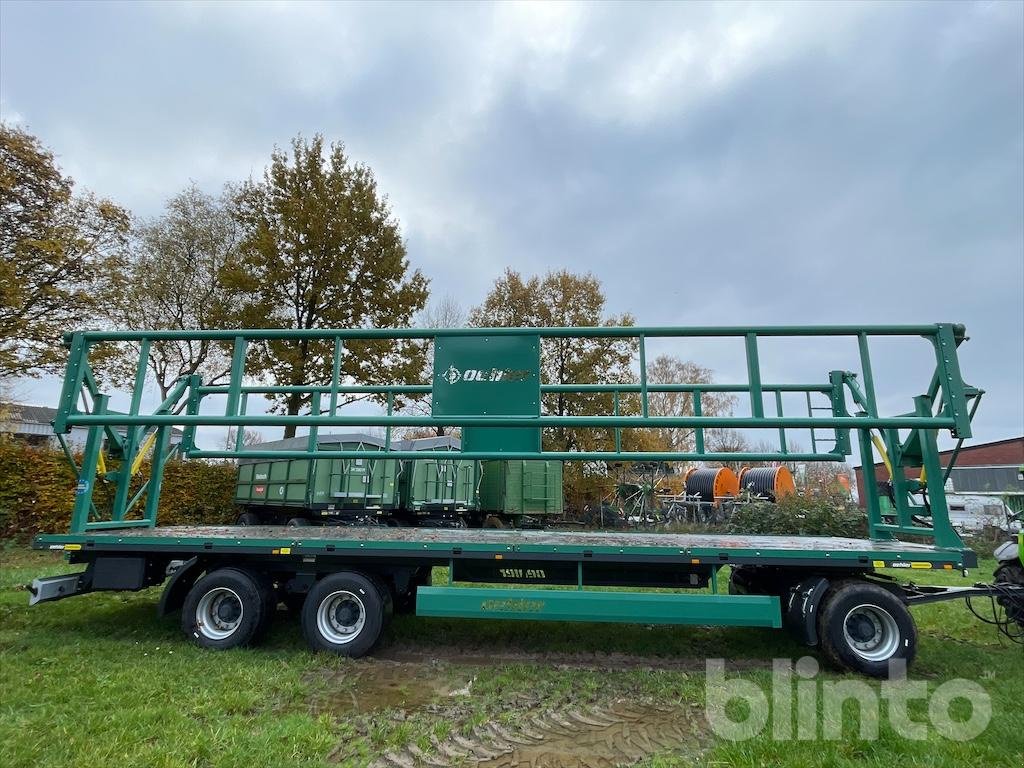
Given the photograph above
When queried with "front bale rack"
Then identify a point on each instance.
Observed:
(347, 581)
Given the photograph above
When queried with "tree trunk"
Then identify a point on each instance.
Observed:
(294, 403)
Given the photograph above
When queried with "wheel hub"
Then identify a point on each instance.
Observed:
(861, 629)
(228, 610)
(346, 614)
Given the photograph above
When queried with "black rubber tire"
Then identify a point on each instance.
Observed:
(266, 586)
(837, 604)
(250, 596)
(1011, 573)
(366, 592)
(249, 518)
(298, 522)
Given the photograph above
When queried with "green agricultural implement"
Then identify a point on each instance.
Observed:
(227, 581)
(449, 491)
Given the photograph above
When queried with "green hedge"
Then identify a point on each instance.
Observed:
(801, 514)
(37, 491)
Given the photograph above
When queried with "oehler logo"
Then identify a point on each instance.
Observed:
(453, 375)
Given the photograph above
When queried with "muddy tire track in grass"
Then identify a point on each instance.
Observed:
(622, 733)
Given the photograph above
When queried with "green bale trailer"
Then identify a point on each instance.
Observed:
(829, 592)
(521, 492)
(296, 490)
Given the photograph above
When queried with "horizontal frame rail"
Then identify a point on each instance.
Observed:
(603, 332)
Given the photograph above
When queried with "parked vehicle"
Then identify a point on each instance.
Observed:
(974, 513)
(445, 491)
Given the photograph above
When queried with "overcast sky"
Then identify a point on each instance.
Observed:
(711, 164)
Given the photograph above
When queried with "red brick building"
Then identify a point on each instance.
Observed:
(987, 468)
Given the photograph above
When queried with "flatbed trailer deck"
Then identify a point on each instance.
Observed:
(346, 581)
(439, 546)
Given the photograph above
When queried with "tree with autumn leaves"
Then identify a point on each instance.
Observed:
(53, 242)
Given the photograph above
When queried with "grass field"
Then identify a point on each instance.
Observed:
(99, 680)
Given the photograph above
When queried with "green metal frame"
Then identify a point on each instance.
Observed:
(948, 404)
(601, 606)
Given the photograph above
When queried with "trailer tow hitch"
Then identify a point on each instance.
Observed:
(1004, 608)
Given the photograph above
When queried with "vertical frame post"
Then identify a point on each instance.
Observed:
(243, 406)
(73, 378)
(618, 430)
(754, 377)
(952, 382)
(643, 376)
(156, 473)
(699, 431)
(237, 371)
(339, 349)
(133, 438)
(314, 408)
(782, 430)
(943, 532)
(87, 475)
(869, 376)
(871, 500)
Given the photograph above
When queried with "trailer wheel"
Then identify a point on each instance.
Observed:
(226, 608)
(248, 518)
(298, 522)
(862, 627)
(343, 614)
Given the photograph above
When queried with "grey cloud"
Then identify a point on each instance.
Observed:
(713, 164)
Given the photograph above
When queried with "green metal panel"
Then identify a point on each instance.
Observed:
(599, 606)
(485, 376)
(521, 487)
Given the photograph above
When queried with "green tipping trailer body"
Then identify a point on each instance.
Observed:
(521, 488)
(438, 487)
(321, 486)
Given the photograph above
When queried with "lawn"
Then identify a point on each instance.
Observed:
(100, 680)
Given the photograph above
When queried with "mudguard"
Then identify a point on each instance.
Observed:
(801, 617)
(178, 585)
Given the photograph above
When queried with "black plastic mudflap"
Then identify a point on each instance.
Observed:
(801, 617)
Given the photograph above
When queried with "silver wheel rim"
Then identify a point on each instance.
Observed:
(340, 617)
(877, 635)
(213, 614)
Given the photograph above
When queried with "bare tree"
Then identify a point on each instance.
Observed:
(172, 281)
(446, 312)
(667, 369)
(250, 437)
